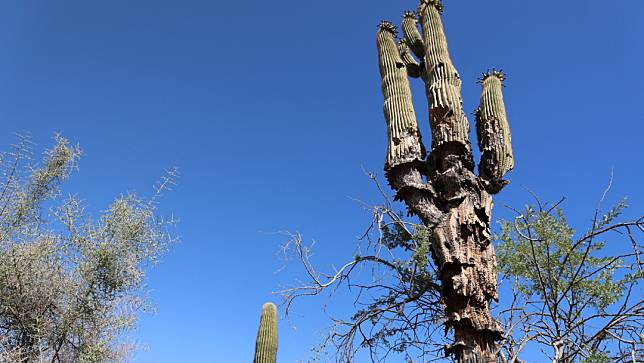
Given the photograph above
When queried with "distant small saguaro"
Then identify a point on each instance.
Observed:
(266, 344)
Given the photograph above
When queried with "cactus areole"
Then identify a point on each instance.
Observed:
(441, 188)
(266, 344)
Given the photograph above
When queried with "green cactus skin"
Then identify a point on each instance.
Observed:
(266, 344)
(404, 144)
(405, 150)
(413, 68)
(412, 35)
(493, 132)
(447, 119)
(434, 38)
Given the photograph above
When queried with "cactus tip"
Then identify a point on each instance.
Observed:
(438, 4)
(498, 73)
(410, 14)
(388, 26)
(269, 305)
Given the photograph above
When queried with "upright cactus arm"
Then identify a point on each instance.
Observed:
(405, 151)
(405, 145)
(493, 132)
(266, 344)
(413, 67)
(448, 122)
(412, 35)
(434, 38)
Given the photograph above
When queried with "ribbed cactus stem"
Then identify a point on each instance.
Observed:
(266, 344)
(493, 131)
(405, 151)
(404, 141)
(436, 50)
(412, 35)
(448, 121)
(413, 68)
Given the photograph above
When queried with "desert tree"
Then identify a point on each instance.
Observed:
(567, 296)
(575, 296)
(70, 285)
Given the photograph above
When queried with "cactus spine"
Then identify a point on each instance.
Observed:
(266, 344)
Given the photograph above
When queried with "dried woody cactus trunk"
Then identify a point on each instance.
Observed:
(266, 344)
(443, 190)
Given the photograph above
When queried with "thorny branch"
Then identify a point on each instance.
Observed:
(397, 300)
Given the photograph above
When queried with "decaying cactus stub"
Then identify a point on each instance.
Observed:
(266, 344)
(452, 201)
(493, 132)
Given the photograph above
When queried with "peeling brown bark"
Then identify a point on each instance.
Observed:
(443, 190)
(464, 254)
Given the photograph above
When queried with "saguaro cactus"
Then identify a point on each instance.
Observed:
(443, 191)
(493, 132)
(266, 344)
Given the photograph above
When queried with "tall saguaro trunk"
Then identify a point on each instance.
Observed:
(441, 188)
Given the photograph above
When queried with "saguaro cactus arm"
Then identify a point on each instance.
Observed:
(493, 132)
(413, 68)
(434, 38)
(449, 125)
(405, 145)
(412, 35)
(405, 151)
(266, 344)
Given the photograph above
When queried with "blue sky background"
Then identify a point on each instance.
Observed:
(270, 109)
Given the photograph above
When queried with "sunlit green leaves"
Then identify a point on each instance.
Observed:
(577, 294)
(539, 249)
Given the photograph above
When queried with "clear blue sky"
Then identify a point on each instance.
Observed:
(270, 109)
